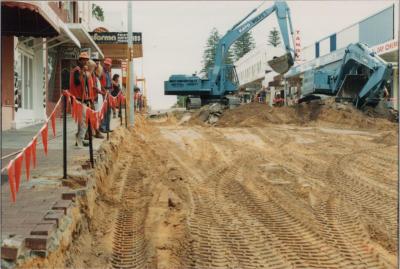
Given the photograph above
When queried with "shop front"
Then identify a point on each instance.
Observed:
(29, 30)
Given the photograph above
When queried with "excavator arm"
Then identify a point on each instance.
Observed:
(279, 64)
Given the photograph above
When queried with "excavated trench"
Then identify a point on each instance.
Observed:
(256, 196)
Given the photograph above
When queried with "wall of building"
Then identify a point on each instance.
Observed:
(253, 66)
(85, 14)
(376, 29)
(60, 8)
(7, 81)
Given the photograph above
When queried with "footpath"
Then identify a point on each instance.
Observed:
(31, 224)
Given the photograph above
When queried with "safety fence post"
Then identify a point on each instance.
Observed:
(126, 116)
(108, 112)
(65, 137)
(120, 110)
(90, 143)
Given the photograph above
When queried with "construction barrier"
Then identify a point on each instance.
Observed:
(28, 153)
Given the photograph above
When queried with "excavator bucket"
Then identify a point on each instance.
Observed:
(281, 64)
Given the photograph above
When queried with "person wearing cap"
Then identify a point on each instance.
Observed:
(79, 87)
(98, 72)
(94, 90)
(106, 85)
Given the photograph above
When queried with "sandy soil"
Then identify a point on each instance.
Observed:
(250, 193)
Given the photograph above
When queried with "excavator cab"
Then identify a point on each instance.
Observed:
(281, 64)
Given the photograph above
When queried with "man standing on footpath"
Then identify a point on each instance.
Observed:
(79, 87)
(106, 85)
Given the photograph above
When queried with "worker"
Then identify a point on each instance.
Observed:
(94, 90)
(106, 86)
(100, 93)
(115, 91)
(79, 87)
(136, 98)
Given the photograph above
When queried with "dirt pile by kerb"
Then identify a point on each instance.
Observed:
(326, 113)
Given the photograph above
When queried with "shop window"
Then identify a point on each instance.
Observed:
(53, 91)
(23, 75)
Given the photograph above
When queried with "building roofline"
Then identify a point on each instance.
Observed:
(351, 25)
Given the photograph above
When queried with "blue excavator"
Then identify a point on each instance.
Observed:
(360, 77)
(222, 81)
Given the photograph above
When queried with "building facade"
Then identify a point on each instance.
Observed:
(36, 37)
(379, 31)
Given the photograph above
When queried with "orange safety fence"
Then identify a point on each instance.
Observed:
(28, 153)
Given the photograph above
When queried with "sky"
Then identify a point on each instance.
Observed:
(175, 32)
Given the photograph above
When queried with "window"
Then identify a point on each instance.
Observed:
(23, 74)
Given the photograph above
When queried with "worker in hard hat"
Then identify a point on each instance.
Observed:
(106, 85)
(79, 87)
(94, 91)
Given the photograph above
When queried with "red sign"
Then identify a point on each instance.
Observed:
(297, 45)
(389, 46)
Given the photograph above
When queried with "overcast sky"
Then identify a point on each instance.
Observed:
(174, 32)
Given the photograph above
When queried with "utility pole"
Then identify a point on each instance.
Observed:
(131, 82)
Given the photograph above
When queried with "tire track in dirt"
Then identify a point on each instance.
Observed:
(129, 244)
(377, 209)
(241, 216)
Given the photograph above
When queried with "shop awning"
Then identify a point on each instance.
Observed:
(66, 36)
(28, 18)
(35, 19)
(85, 39)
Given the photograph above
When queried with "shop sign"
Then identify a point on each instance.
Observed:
(297, 45)
(115, 37)
(389, 46)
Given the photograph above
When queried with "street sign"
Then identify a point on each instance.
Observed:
(115, 37)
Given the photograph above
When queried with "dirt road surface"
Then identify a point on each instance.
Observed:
(270, 196)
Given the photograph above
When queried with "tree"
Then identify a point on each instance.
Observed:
(209, 52)
(98, 12)
(274, 38)
(243, 45)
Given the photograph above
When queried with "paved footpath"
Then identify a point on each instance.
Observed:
(43, 200)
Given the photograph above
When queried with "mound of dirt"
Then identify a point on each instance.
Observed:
(314, 113)
(208, 114)
(389, 139)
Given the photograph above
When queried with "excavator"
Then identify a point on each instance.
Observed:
(222, 81)
(360, 78)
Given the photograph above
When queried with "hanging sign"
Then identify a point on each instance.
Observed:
(115, 37)
(297, 45)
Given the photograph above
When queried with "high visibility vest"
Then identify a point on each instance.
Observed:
(103, 80)
(92, 85)
(77, 90)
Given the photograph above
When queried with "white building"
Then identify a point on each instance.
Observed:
(253, 68)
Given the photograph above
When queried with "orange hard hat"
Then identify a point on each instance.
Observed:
(84, 55)
(108, 61)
